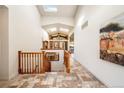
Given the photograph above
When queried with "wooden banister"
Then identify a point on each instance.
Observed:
(37, 62)
(30, 62)
(67, 61)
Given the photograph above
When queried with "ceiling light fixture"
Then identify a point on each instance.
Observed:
(50, 8)
(64, 29)
(53, 29)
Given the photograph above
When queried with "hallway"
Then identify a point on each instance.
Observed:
(37, 41)
(79, 77)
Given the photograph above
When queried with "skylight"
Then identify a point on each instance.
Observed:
(50, 8)
(64, 29)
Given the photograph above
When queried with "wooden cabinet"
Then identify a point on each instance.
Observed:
(55, 44)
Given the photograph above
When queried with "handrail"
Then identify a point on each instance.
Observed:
(32, 52)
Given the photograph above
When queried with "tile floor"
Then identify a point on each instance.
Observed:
(78, 78)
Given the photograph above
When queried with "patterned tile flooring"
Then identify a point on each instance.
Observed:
(78, 78)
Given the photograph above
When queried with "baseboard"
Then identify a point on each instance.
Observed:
(9, 78)
(13, 76)
(4, 78)
(93, 74)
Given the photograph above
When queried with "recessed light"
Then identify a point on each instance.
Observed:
(50, 8)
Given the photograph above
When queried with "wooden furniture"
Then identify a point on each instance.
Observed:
(55, 44)
(58, 44)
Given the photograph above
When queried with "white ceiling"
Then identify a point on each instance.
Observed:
(63, 11)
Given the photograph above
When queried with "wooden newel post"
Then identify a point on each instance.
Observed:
(68, 63)
(43, 58)
(19, 62)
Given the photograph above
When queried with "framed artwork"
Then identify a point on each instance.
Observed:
(112, 40)
(45, 44)
(52, 56)
(56, 45)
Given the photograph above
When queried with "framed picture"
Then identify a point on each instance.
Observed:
(45, 44)
(112, 40)
(52, 56)
(56, 45)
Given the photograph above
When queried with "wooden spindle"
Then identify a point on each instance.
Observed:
(19, 62)
(41, 62)
(35, 62)
(38, 62)
(27, 64)
(30, 62)
(22, 63)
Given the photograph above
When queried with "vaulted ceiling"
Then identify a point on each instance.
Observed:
(54, 12)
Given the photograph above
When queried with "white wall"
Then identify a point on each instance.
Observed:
(45, 35)
(87, 44)
(28, 28)
(4, 67)
(52, 20)
(25, 33)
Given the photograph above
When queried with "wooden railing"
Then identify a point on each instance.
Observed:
(67, 61)
(37, 63)
(30, 62)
